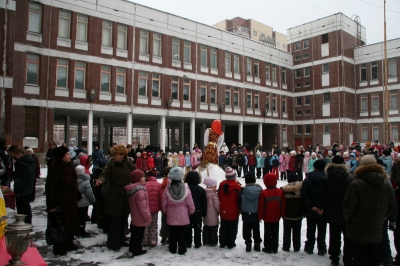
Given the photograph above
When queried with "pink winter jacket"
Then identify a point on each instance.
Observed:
(211, 219)
(287, 156)
(305, 164)
(193, 160)
(181, 160)
(139, 204)
(154, 189)
(282, 163)
(178, 211)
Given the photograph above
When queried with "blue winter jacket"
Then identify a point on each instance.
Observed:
(248, 202)
(387, 160)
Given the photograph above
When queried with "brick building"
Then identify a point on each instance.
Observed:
(119, 64)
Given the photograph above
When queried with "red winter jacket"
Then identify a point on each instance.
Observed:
(228, 194)
(154, 189)
(292, 164)
(150, 163)
(251, 160)
(144, 164)
(272, 202)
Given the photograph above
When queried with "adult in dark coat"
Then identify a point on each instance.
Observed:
(299, 165)
(115, 177)
(335, 186)
(200, 203)
(50, 152)
(62, 196)
(312, 194)
(395, 178)
(29, 151)
(6, 177)
(368, 202)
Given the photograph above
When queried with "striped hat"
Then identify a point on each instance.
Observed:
(230, 173)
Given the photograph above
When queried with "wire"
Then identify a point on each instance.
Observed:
(378, 6)
(317, 7)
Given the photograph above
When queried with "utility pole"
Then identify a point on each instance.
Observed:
(385, 68)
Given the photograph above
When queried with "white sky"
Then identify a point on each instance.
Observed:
(284, 14)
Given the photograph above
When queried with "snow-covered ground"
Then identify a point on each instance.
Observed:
(93, 250)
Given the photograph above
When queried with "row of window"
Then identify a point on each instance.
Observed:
(375, 130)
(297, 45)
(373, 66)
(375, 101)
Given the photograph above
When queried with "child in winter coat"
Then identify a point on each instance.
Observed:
(187, 162)
(211, 221)
(138, 161)
(352, 162)
(159, 164)
(181, 158)
(144, 161)
(252, 163)
(221, 159)
(259, 165)
(170, 160)
(175, 159)
(150, 162)
(154, 190)
(178, 204)
(249, 209)
(271, 207)
(228, 194)
(267, 164)
(282, 165)
(305, 163)
(200, 203)
(274, 162)
(193, 160)
(311, 162)
(139, 209)
(263, 158)
(164, 231)
(294, 213)
(87, 199)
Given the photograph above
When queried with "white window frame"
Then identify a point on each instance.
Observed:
(228, 100)
(203, 92)
(213, 58)
(143, 79)
(256, 68)
(35, 9)
(236, 97)
(80, 66)
(249, 97)
(364, 102)
(363, 68)
(175, 81)
(64, 15)
(228, 58)
(107, 27)
(267, 72)
(273, 73)
(122, 36)
(121, 76)
(105, 72)
(62, 64)
(176, 45)
(248, 67)
(375, 101)
(144, 42)
(306, 71)
(157, 42)
(203, 55)
(187, 52)
(156, 79)
(82, 20)
(213, 93)
(393, 104)
(236, 64)
(296, 46)
(392, 67)
(186, 88)
(374, 68)
(32, 60)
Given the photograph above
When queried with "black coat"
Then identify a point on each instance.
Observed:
(24, 175)
(312, 191)
(335, 184)
(199, 199)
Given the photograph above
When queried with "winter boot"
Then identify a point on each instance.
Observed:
(248, 248)
(257, 247)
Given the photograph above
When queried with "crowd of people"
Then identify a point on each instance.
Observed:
(353, 189)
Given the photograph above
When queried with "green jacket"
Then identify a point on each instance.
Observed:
(116, 176)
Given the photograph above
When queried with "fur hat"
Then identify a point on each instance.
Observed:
(270, 179)
(176, 173)
(386, 153)
(59, 152)
(230, 173)
(368, 144)
(121, 149)
(30, 150)
(292, 177)
(136, 175)
(338, 159)
(210, 181)
(367, 159)
(319, 165)
(250, 178)
(80, 169)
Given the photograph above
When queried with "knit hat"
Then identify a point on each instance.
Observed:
(352, 154)
(264, 153)
(59, 152)
(138, 154)
(250, 178)
(30, 150)
(230, 173)
(386, 153)
(258, 153)
(330, 152)
(176, 173)
(80, 169)
(210, 181)
(313, 154)
(292, 177)
(319, 165)
(136, 175)
(338, 159)
(152, 172)
(270, 179)
(367, 159)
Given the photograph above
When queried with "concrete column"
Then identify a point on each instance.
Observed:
(192, 132)
(79, 140)
(90, 133)
(240, 133)
(129, 128)
(104, 148)
(67, 124)
(260, 133)
(100, 137)
(181, 135)
(202, 130)
(162, 132)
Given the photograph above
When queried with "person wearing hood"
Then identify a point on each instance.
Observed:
(335, 185)
(178, 204)
(224, 148)
(139, 209)
(368, 202)
(299, 164)
(24, 175)
(249, 209)
(252, 161)
(200, 204)
(387, 160)
(274, 162)
(294, 213)
(395, 179)
(311, 162)
(87, 199)
(313, 198)
(352, 162)
(85, 162)
(271, 208)
(211, 221)
(29, 151)
(258, 163)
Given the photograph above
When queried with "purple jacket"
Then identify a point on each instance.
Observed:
(177, 210)
(211, 219)
(139, 204)
(282, 163)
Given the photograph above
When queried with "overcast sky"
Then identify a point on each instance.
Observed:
(284, 14)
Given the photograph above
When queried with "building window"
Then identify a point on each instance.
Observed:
(81, 28)
(392, 68)
(31, 123)
(374, 70)
(306, 55)
(284, 105)
(106, 33)
(363, 71)
(175, 88)
(256, 68)
(273, 73)
(203, 55)
(186, 52)
(213, 93)
(283, 75)
(228, 96)
(236, 63)
(248, 99)
(267, 72)
(298, 101)
(284, 46)
(267, 102)
(236, 97)
(297, 57)
(297, 73)
(105, 78)
(156, 44)
(299, 129)
(35, 17)
(175, 49)
(297, 46)
(325, 38)
(213, 57)
(62, 73)
(186, 90)
(307, 99)
(375, 131)
(80, 74)
(306, 44)
(394, 131)
(248, 66)
(122, 36)
(203, 92)
(375, 101)
(121, 74)
(393, 100)
(307, 112)
(299, 113)
(325, 68)
(278, 44)
(308, 129)
(298, 85)
(32, 69)
(227, 61)
(327, 128)
(284, 133)
(273, 102)
(142, 83)
(306, 71)
(256, 100)
(64, 23)
(327, 97)
(307, 84)
(144, 42)
(254, 33)
(155, 85)
(364, 102)
(364, 132)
